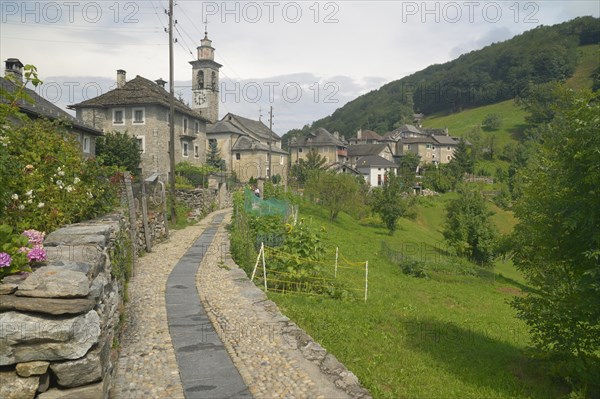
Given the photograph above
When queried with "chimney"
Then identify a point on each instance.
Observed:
(121, 78)
(161, 82)
(359, 134)
(14, 68)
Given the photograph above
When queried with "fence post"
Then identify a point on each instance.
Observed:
(262, 246)
(147, 235)
(264, 267)
(336, 262)
(132, 221)
(163, 193)
(366, 279)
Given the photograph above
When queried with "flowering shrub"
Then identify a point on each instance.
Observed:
(18, 252)
(47, 181)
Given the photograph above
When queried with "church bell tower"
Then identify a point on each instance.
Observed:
(205, 81)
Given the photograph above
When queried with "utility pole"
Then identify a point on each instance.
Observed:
(270, 141)
(171, 118)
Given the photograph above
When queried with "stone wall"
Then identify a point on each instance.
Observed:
(58, 323)
(201, 201)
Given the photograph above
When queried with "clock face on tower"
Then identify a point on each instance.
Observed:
(200, 99)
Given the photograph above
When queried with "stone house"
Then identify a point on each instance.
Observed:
(373, 168)
(142, 108)
(431, 149)
(355, 152)
(365, 137)
(247, 145)
(328, 145)
(41, 108)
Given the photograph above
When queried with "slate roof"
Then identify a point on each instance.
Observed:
(251, 127)
(415, 140)
(446, 140)
(374, 160)
(42, 108)
(360, 150)
(342, 168)
(317, 138)
(137, 91)
(410, 128)
(223, 127)
(246, 143)
(369, 135)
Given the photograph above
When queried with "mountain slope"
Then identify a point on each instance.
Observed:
(493, 74)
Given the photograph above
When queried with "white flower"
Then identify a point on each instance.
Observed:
(90, 195)
(21, 207)
(76, 180)
(29, 193)
(69, 189)
(61, 173)
(15, 197)
(29, 201)
(59, 183)
(41, 205)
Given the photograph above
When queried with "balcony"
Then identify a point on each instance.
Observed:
(342, 153)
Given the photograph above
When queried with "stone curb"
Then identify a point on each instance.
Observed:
(342, 378)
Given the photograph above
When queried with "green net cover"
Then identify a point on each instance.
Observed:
(256, 206)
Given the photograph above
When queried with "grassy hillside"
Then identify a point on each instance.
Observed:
(490, 75)
(447, 336)
(589, 60)
(513, 121)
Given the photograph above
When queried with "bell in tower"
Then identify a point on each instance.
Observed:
(205, 81)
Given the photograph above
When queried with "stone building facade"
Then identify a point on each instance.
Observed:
(142, 108)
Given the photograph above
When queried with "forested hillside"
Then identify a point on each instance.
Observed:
(495, 73)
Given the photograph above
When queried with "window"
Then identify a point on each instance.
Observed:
(118, 116)
(197, 127)
(281, 160)
(428, 146)
(379, 180)
(201, 79)
(300, 149)
(196, 151)
(185, 125)
(408, 146)
(448, 148)
(141, 143)
(168, 117)
(86, 144)
(139, 116)
(238, 156)
(185, 149)
(448, 157)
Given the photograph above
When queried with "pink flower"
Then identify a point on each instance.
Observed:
(37, 255)
(36, 238)
(5, 259)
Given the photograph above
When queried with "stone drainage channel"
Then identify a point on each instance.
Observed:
(205, 368)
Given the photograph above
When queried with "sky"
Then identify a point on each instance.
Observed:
(303, 58)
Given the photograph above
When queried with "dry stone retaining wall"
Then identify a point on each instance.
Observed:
(58, 323)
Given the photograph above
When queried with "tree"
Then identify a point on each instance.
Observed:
(391, 201)
(492, 122)
(557, 239)
(462, 158)
(119, 149)
(468, 228)
(314, 162)
(213, 158)
(336, 192)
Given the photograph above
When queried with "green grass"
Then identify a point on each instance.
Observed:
(448, 336)
(589, 60)
(461, 123)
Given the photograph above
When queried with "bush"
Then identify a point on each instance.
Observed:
(196, 175)
(414, 268)
(48, 182)
(18, 252)
(120, 150)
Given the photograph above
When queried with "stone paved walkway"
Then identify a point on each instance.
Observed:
(205, 368)
(273, 356)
